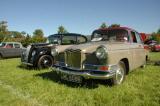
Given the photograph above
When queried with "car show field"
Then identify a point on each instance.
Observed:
(20, 86)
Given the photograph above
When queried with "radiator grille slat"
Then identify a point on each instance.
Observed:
(73, 58)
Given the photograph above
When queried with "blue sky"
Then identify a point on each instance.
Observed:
(79, 16)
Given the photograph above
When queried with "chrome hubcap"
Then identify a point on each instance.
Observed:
(119, 75)
(46, 62)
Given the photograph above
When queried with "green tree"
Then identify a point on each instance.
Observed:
(23, 33)
(4, 34)
(3, 26)
(16, 34)
(27, 40)
(158, 32)
(62, 30)
(114, 25)
(103, 25)
(38, 36)
(156, 36)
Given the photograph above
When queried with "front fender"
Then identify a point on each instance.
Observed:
(39, 54)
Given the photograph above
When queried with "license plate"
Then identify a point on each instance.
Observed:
(71, 78)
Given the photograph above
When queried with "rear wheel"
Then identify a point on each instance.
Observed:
(120, 74)
(45, 61)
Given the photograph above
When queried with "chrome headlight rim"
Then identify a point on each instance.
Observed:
(101, 52)
(33, 52)
(54, 51)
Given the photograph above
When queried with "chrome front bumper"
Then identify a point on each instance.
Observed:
(87, 74)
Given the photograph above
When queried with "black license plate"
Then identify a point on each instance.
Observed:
(71, 78)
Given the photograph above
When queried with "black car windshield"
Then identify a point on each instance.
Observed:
(63, 40)
(2, 44)
(53, 40)
(110, 35)
(66, 40)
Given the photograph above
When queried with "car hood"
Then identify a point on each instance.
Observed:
(39, 45)
(61, 48)
(92, 46)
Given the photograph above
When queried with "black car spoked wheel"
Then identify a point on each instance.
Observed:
(120, 74)
(45, 61)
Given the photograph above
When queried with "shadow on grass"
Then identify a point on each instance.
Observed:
(26, 67)
(154, 63)
(7, 58)
(89, 84)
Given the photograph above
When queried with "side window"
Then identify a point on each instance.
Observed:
(138, 38)
(9, 45)
(16, 45)
(66, 40)
(81, 39)
(133, 35)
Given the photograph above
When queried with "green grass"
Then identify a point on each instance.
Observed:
(23, 87)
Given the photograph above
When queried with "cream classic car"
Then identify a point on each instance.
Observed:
(111, 54)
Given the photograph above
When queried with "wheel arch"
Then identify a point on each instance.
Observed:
(42, 52)
(126, 62)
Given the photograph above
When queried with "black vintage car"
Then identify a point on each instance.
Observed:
(41, 55)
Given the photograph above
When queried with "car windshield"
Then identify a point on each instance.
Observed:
(110, 35)
(66, 40)
(53, 40)
(2, 44)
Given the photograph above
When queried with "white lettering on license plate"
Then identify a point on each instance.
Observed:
(72, 78)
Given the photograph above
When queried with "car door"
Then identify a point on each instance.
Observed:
(138, 52)
(9, 50)
(18, 49)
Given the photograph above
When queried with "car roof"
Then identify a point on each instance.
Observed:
(125, 28)
(12, 42)
(66, 34)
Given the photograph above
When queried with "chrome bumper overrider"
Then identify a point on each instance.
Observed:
(87, 74)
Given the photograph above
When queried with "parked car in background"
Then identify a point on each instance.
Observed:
(10, 49)
(155, 47)
(111, 54)
(41, 55)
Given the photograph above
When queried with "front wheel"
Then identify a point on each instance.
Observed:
(120, 74)
(45, 61)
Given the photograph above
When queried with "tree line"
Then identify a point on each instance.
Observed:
(23, 37)
(38, 35)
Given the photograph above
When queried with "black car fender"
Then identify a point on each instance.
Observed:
(41, 52)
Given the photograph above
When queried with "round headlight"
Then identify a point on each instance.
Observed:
(101, 52)
(54, 51)
(33, 52)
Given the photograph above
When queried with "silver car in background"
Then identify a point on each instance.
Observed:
(10, 49)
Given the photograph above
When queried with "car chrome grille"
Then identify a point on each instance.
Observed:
(73, 59)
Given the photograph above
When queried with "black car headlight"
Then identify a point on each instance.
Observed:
(54, 51)
(101, 52)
